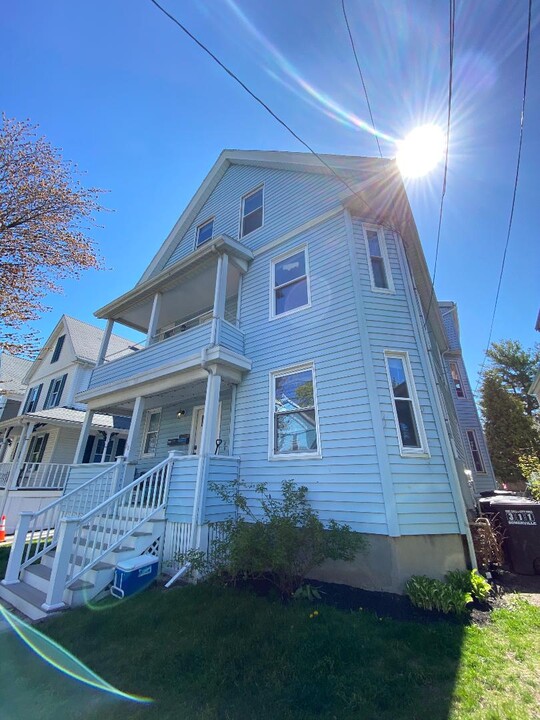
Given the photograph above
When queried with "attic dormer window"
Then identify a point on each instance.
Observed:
(58, 348)
(205, 232)
(252, 211)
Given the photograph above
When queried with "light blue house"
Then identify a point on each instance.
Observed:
(286, 338)
(473, 448)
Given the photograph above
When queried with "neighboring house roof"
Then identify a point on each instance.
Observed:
(85, 340)
(12, 371)
(68, 416)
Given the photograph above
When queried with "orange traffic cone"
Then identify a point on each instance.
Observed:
(3, 528)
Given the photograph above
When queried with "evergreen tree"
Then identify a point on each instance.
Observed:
(510, 431)
(516, 368)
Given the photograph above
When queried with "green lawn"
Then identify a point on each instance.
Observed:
(203, 652)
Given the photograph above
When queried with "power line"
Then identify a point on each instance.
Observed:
(448, 121)
(259, 100)
(516, 179)
(360, 73)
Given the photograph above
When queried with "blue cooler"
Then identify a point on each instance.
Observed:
(133, 575)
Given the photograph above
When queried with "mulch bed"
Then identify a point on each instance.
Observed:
(382, 604)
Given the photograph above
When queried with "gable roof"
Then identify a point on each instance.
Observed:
(346, 165)
(12, 371)
(85, 340)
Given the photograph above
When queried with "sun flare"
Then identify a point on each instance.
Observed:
(421, 151)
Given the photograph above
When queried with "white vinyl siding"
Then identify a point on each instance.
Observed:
(290, 290)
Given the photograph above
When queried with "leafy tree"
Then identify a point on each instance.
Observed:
(516, 367)
(45, 217)
(510, 431)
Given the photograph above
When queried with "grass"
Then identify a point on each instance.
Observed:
(210, 653)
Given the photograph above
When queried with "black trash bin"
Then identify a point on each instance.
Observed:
(519, 520)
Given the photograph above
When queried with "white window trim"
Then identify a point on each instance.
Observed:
(300, 248)
(423, 450)
(199, 226)
(291, 369)
(242, 199)
(460, 380)
(390, 290)
(149, 413)
(473, 431)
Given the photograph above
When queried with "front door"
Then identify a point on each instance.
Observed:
(196, 429)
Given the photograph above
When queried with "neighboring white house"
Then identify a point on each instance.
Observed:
(473, 450)
(38, 443)
(286, 338)
(12, 389)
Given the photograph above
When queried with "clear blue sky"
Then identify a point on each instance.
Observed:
(145, 113)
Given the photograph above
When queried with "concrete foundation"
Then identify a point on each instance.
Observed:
(390, 561)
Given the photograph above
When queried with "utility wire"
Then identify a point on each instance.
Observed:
(516, 179)
(260, 101)
(448, 121)
(360, 73)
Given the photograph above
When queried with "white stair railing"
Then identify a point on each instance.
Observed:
(86, 540)
(42, 476)
(37, 532)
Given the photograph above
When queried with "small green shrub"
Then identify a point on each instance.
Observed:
(430, 594)
(469, 581)
(530, 467)
(308, 592)
(282, 539)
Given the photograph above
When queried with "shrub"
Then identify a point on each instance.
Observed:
(469, 581)
(282, 538)
(430, 594)
(530, 467)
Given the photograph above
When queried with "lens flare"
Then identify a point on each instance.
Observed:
(421, 151)
(57, 656)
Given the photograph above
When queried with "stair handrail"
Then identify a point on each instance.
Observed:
(42, 534)
(106, 539)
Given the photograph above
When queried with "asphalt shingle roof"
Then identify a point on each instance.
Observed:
(12, 371)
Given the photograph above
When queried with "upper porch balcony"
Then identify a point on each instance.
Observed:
(189, 313)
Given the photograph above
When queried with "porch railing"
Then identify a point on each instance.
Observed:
(37, 532)
(86, 540)
(42, 476)
(5, 470)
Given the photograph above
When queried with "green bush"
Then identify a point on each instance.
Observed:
(469, 581)
(281, 538)
(430, 594)
(530, 467)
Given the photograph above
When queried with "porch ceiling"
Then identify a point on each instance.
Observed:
(187, 287)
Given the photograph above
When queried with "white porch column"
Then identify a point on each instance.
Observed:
(219, 296)
(105, 342)
(130, 452)
(83, 437)
(211, 406)
(107, 440)
(154, 319)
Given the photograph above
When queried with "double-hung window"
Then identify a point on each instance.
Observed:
(36, 449)
(32, 399)
(54, 393)
(153, 419)
(379, 266)
(456, 378)
(294, 422)
(290, 283)
(475, 451)
(252, 212)
(406, 408)
(205, 232)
